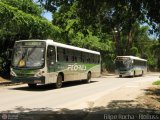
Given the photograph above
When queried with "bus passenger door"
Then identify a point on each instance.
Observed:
(51, 59)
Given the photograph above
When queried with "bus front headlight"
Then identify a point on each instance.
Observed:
(39, 73)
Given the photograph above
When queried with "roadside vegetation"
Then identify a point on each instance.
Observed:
(111, 27)
(156, 82)
(151, 98)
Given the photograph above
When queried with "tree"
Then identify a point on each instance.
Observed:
(104, 20)
(156, 50)
(26, 6)
(16, 24)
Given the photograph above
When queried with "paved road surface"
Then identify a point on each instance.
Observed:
(20, 98)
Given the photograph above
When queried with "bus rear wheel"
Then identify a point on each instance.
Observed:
(134, 74)
(59, 81)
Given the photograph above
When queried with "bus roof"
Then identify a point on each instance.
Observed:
(134, 58)
(52, 42)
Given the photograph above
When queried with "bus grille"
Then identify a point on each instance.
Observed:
(25, 75)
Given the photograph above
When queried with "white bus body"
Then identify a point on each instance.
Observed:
(130, 66)
(45, 61)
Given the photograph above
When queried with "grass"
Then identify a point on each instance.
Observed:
(156, 82)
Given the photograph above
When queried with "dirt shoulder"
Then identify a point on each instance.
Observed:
(2, 80)
(124, 103)
(147, 97)
(151, 98)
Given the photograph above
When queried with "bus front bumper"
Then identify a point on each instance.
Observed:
(29, 80)
(124, 73)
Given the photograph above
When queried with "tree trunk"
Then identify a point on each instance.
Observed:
(129, 42)
(117, 39)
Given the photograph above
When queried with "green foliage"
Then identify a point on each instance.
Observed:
(91, 42)
(156, 82)
(155, 48)
(134, 51)
(112, 27)
(26, 6)
(16, 24)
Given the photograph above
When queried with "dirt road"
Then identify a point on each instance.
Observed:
(76, 97)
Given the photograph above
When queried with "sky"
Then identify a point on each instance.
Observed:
(47, 15)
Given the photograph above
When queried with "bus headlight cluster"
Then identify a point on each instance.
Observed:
(39, 73)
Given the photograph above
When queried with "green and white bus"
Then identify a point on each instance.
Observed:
(130, 66)
(45, 61)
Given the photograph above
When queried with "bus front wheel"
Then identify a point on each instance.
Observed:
(59, 81)
(142, 73)
(89, 77)
(120, 76)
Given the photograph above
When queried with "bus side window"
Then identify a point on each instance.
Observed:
(98, 58)
(74, 55)
(69, 55)
(66, 56)
(83, 57)
(94, 59)
(78, 54)
(91, 58)
(60, 54)
(51, 55)
(88, 57)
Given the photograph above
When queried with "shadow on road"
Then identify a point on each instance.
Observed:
(115, 110)
(137, 76)
(51, 86)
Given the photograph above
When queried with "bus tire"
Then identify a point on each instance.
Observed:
(120, 76)
(142, 73)
(89, 77)
(59, 81)
(32, 85)
(134, 74)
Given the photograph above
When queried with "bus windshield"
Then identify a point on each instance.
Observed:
(123, 63)
(28, 56)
